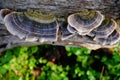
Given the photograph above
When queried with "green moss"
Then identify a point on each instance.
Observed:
(40, 16)
(118, 22)
(86, 14)
(105, 22)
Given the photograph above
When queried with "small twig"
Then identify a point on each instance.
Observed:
(101, 75)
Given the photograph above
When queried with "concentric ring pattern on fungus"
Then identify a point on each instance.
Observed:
(42, 26)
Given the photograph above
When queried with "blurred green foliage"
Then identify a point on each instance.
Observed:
(48, 62)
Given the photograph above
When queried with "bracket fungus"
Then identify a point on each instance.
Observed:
(26, 25)
(85, 21)
(87, 28)
(71, 29)
(93, 24)
(110, 40)
(105, 29)
(65, 32)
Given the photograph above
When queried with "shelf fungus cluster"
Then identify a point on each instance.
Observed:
(31, 25)
(87, 28)
(102, 30)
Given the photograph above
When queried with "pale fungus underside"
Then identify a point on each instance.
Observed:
(87, 28)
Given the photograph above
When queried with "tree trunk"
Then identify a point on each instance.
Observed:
(110, 8)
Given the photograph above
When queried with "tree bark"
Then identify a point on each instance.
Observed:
(110, 8)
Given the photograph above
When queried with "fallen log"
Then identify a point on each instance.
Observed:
(109, 8)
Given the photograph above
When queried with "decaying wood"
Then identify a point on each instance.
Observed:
(110, 8)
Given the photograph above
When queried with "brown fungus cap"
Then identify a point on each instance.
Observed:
(3, 13)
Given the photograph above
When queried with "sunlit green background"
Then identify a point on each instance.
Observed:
(47, 62)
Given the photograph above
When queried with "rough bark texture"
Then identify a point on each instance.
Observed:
(110, 8)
